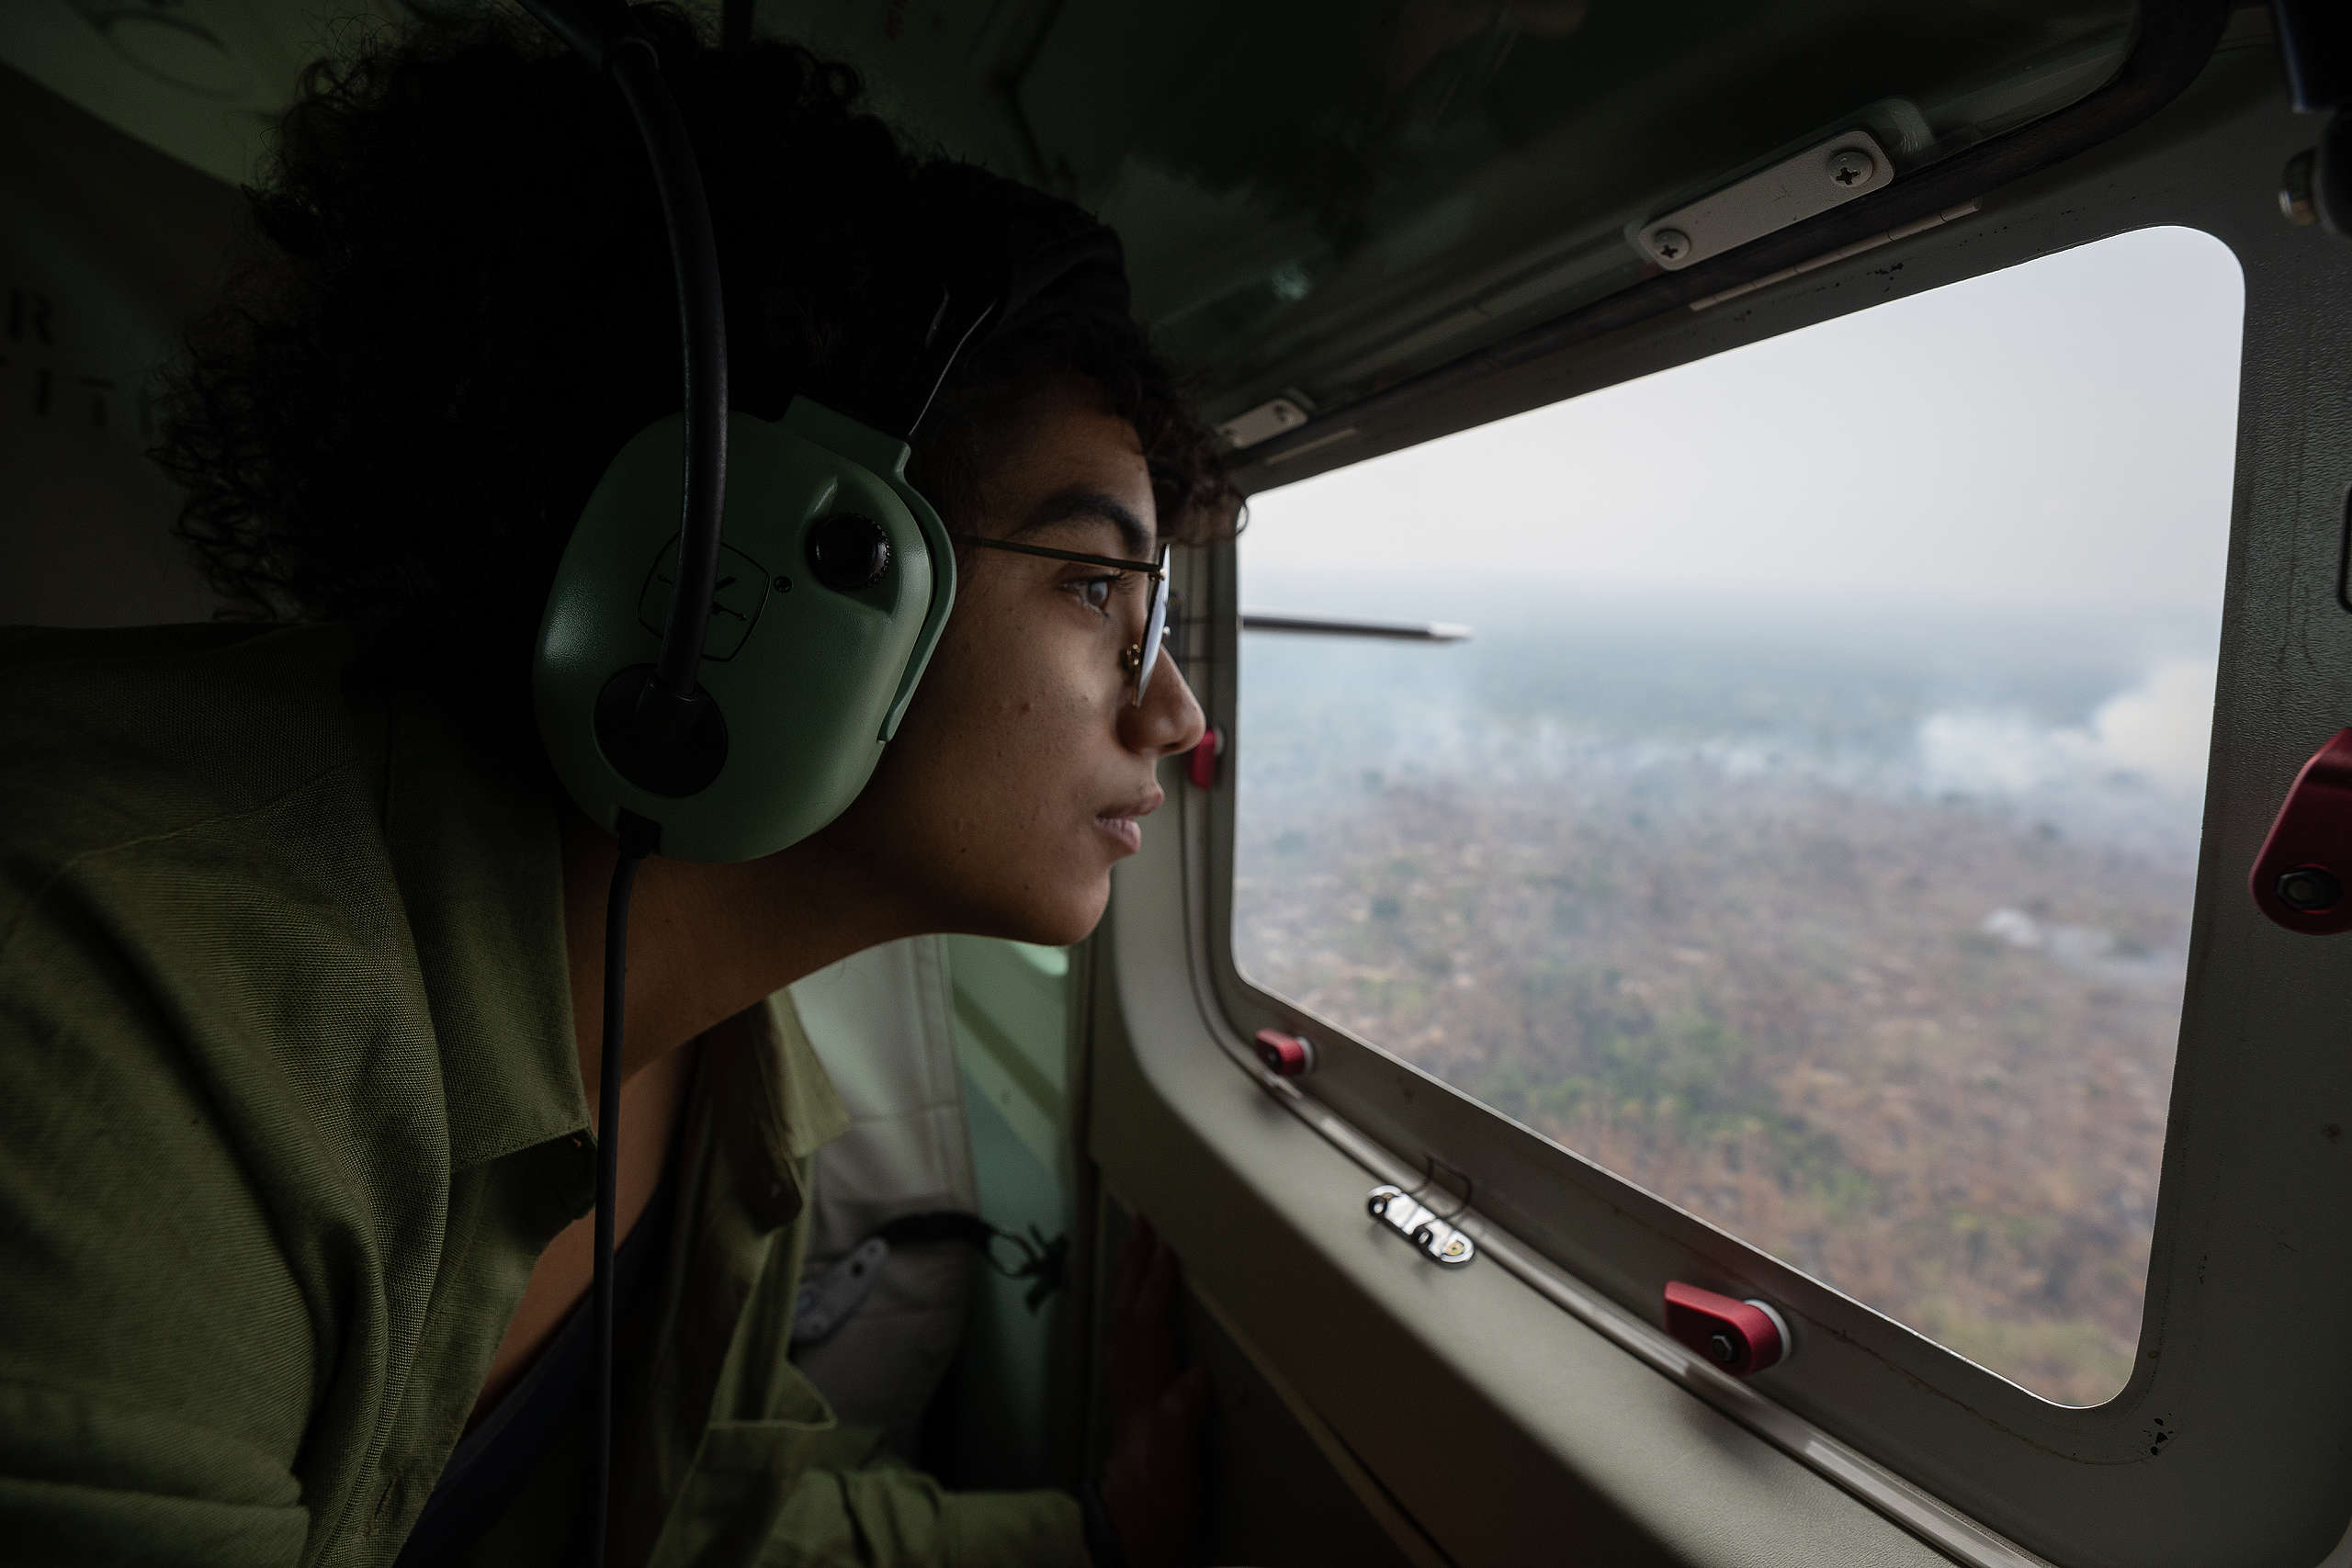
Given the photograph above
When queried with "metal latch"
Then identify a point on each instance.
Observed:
(1434, 1233)
(1200, 766)
(1285, 1055)
(1743, 1338)
(2300, 877)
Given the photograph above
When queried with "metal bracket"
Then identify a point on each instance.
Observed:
(1434, 1234)
(1847, 166)
(1269, 419)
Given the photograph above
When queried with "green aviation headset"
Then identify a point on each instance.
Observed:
(816, 612)
(827, 598)
(717, 699)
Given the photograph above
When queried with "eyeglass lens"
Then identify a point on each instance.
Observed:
(1155, 627)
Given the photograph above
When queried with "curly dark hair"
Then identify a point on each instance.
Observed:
(468, 308)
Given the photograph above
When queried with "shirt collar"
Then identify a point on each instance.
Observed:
(479, 859)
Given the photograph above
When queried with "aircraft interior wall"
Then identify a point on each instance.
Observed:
(108, 248)
(1371, 1408)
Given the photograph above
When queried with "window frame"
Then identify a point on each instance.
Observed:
(2240, 1205)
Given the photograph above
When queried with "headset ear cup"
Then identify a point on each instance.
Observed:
(809, 664)
(883, 458)
(671, 756)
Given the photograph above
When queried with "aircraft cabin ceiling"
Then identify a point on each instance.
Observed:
(1322, 198)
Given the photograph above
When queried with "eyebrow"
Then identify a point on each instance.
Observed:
(1135, 537)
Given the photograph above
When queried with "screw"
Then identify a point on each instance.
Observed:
(784, 585)
(1720, 1347)
(2309, 889)
(2295, 191)
(1670, 244)
(1851, 166)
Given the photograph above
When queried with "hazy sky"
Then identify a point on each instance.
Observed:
(2058, 434)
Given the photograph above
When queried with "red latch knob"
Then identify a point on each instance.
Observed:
(1741, 1336)
(2301, 877)
(1285, 1055)
(1200, 766)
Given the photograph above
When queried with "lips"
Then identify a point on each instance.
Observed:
(1124, 824)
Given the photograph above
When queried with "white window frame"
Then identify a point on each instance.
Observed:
(2246, 1342)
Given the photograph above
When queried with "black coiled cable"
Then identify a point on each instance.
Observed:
(601, 32)
(639, 838)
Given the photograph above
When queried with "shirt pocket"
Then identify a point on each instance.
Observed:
(743, 1500)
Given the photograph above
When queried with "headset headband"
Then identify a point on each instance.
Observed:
(668, 710)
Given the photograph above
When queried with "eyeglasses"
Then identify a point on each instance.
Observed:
(1141, 658)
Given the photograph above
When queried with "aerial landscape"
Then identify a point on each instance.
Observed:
(1863, 943)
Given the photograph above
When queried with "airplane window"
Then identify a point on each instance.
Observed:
(1808, 831)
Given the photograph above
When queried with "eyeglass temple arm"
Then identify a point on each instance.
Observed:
(1151, 569)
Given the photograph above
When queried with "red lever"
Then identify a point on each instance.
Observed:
(1285, 1055)
(2305, 865)
(1742, 1337)
(1201, 765)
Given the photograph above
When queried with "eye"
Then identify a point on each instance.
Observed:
(1096, 591)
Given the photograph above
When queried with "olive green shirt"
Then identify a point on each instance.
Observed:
(288, 1106)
